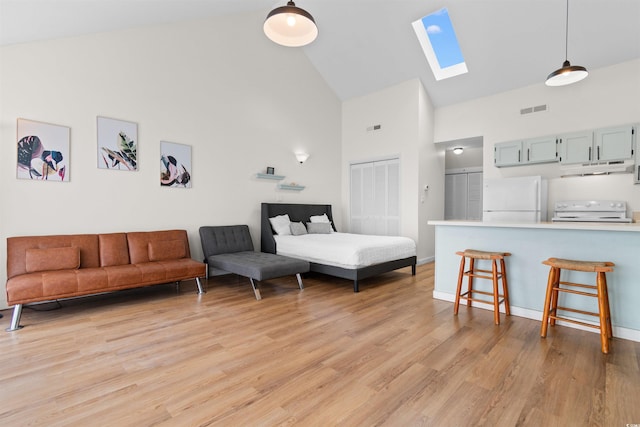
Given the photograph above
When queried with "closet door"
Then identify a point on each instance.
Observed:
(375, 198)
(456, 191)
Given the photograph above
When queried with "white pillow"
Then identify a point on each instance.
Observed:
(281, 225)
(319, 218)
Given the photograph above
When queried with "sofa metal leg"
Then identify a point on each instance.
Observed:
(255, 289)
(356, 287)
(15, 320)
(300, 285)
(200, 288)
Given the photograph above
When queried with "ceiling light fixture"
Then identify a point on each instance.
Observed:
(568, 73)
(301, 157)
(458, 150)
(290, 26)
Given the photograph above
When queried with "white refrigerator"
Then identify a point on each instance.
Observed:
(521, 199)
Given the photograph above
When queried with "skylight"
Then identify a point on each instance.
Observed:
(440, 45)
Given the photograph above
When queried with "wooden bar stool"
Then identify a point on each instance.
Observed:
(550, 313)
(496, 274)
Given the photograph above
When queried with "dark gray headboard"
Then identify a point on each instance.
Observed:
(296, 212)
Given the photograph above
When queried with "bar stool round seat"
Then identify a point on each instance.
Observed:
(598, 291)
(497, 274)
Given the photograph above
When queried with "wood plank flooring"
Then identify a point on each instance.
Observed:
(388, 355)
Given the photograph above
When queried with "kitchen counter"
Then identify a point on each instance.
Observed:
(563, 225)
(530, 244)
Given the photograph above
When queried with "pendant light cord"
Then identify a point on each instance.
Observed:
(566, 35)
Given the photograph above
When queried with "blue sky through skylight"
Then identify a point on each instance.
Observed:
(440, 44)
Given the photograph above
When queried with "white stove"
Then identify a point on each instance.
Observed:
(591, 211)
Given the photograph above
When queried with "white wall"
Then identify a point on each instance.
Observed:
(609, 96)
(471, 157)
(430, 189)
(404, 113)
(219, 85)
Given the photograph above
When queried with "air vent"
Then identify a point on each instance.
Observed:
(536, 109)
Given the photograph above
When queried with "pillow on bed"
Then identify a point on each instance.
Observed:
(319, 218)
(316, 219)
(318, 228)
(281, 224)
(298, 229)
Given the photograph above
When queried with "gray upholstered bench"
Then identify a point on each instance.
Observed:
(230, 248)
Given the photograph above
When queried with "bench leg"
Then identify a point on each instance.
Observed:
(255, 289)
(15, 320)
(300, 285)
(200, 289)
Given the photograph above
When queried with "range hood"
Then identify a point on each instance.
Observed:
(604, 168)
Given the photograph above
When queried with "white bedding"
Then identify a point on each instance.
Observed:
(345, 250)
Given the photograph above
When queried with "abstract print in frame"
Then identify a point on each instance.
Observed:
(175, 165)
(43, 151)
(117, 144)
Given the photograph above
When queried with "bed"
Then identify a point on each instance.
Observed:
(351, 267)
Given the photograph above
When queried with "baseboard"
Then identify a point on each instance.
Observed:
(618, 332)
(426, 260)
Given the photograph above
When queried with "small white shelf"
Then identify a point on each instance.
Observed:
(269, 176)
(291, 187)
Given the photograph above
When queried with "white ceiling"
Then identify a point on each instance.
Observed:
(367, 45)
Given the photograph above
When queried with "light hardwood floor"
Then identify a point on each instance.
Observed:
(389, 355)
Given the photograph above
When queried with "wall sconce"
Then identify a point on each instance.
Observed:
(458, 150)
(302, 157)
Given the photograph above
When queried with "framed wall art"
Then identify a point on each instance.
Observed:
(175, 165)
(117, 144)
(43, 151)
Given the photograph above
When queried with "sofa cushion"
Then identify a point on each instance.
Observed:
(258, 265)
(224, 239)
(114, 249)
(163, 250)
(52, 259)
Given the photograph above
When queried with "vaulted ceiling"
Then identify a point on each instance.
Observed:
(367, 45)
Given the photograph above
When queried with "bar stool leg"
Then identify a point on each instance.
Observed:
(554, 295)
(456, 305)
(602, 312)
(505, 288)
(496, 298)
(547, 302)
(472, 266)
(606, 306)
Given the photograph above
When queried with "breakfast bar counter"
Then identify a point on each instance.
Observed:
(532, 243)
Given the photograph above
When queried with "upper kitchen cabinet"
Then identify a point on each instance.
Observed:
(529, 151)
(636, 167)
(507, 153)
(576, 148)
(541, 150)
(602, 145)
(612, 144)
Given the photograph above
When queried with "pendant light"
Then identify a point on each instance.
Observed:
(290, 26)
(568, 73)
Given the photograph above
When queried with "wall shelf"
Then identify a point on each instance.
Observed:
(269, 176)
(291, 187)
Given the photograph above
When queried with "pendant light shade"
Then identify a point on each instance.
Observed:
(568, 73)
(290, 26)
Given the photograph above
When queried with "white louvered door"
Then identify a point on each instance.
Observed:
(375, 198)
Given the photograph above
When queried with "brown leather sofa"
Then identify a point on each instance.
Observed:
(46, 268)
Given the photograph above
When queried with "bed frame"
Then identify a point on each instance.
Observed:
(302, 212)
